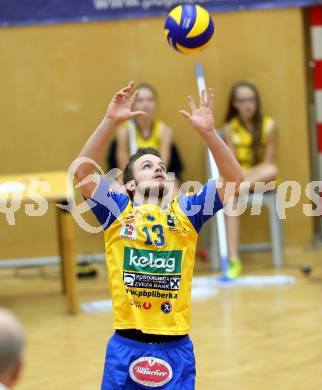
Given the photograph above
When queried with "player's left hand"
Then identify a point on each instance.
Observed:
(201, 118)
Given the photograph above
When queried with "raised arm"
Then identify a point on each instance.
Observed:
(118, 111)
(201, 119)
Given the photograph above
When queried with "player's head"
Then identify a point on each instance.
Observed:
(146, 100)
(244, 102)
(11, 348)
(145, 173)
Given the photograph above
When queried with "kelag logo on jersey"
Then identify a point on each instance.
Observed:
(153, 262)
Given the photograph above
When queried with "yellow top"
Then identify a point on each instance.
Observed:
(243, 141)
(152, 141)
(150, 255)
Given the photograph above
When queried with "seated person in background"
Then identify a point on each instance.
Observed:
(252, 137)
(143, 132)
(11, 350)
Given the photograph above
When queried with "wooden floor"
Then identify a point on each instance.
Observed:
(245, 338)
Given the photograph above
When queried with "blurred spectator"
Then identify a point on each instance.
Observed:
(253, 137)
(145, 131)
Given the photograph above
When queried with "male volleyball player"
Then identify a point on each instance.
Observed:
(150, 250)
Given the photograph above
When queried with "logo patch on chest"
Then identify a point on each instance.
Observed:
(171, 219)
(175, 225)
(155, 282)
(154, 262)
(150, 371)
(166, 307)
(129, 231)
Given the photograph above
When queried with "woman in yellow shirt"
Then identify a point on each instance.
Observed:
(252, 137)
(147, 131)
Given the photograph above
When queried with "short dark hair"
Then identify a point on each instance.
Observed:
(128, 170)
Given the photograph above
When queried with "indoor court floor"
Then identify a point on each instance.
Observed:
(245, 338)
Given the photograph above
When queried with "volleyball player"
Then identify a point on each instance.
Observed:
(150, 248)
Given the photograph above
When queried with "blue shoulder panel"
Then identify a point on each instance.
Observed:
(106, 204)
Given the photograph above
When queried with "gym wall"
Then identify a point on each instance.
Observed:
(57, 80)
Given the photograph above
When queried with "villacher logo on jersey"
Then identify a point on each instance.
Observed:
(150, 371)
(152, 261)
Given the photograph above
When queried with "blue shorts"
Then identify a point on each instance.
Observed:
(131, 365)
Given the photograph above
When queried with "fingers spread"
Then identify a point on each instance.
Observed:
(120, 94)
(137, 113)
(133, 97)
(192, 104)
(185, 114)
(129, 88)
(203, 98)
(210, 99)
(119, 97)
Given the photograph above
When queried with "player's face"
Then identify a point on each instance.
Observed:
(245, 102)
(146, 101)
(150, 174)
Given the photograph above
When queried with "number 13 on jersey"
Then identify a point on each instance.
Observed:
(154, 236)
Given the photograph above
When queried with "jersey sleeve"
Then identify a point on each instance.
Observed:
(201, 206)
(106, 204)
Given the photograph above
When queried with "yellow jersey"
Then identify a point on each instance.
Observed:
(243, 141)
(150, 255)
(136, 139)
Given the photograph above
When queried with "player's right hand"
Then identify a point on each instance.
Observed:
(201, 117)
(120, 107)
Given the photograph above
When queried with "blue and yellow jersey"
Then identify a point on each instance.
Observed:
(150, 255)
